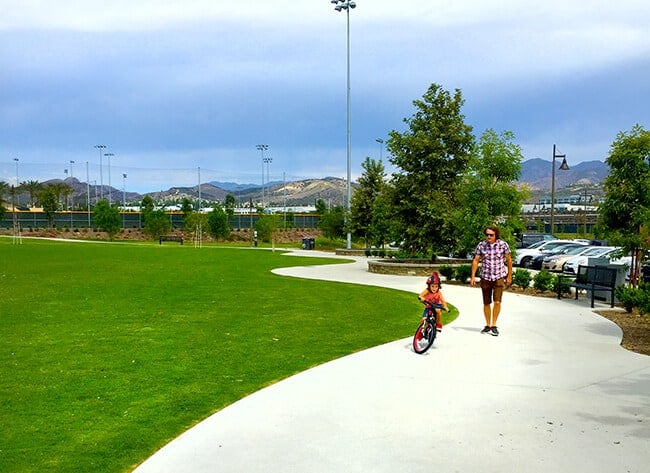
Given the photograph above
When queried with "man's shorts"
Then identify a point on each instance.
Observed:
(492, 289)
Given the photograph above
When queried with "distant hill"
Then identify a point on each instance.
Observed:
(535, 174)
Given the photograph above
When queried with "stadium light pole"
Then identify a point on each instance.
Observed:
(381, 147)
(123, 200)
(347, 5)
(268, 162)
(17, 184)
(262, 148)
(564, 167)
(110, 189)
(101, 178)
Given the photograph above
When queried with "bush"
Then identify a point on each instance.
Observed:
(544, 281)
(463, 272)
(447, 271)
(521, 277)
(631, 297)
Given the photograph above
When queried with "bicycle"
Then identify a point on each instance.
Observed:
(426, 332)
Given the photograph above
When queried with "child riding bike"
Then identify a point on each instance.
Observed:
(433, 295)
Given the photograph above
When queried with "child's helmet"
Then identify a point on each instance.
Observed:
(434, 279)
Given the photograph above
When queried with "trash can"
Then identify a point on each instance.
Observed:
(308, 243)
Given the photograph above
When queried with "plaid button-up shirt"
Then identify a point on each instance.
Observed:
(493, 259)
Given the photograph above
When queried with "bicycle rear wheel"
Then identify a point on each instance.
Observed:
(424, 337)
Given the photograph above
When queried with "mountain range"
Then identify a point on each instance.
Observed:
(535, 175)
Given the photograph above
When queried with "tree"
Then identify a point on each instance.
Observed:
(196, 223)
(187, 209)
(321, 207)
(431, 157)
(369, 187)
(380, 225)
(489, 194)
(625, 213)
(332, 223)
(218, 224)
(3, 189)
(107, 218)
(230, 206)
(146, 208)
(156, 224)
(49, 200)
(33, 188)
(265, 226)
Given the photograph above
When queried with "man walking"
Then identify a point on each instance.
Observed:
(496, 273)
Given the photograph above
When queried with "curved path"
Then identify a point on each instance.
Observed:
(555, 392)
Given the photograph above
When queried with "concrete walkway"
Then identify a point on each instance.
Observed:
(553, 393)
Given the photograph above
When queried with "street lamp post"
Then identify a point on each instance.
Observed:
(564, 167)
(17, 184)
(123, 199)
(110, 189)
(268, 162)
(381, 147)
(262, 148)
(101, 178)
(347, 5)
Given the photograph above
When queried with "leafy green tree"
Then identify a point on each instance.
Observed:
(157, 224)
(218, 222)
(625, 213)
(196, 223)
(3, 190)
(489, 194)
(187, 209)
(107, 218)
(146, 208)
(332, 223)
(230, 206)
(431, 157)
(380, 225)
(321, 207)
(33, 188)
(49, 200)
(369, 187)
(265, 226)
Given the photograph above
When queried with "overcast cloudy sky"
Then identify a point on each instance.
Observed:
(173, 86)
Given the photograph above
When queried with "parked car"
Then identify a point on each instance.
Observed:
(526, 239)
(571, 265)
(645, 272)
(538, 260)
(524, 256)
(555, 261)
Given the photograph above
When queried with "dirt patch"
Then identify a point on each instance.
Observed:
(635, 327)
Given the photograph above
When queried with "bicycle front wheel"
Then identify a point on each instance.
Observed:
(424, 337)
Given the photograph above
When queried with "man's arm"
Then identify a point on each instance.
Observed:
(474, 268)
(509, 264)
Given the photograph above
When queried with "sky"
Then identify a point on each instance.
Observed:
(184, 91)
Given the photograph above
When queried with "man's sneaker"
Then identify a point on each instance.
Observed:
(486, 329)
(495, 332)
(439, 327)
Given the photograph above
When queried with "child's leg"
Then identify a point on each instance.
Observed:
(439, 320)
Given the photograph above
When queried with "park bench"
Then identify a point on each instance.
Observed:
(590, 278)
(171, 238)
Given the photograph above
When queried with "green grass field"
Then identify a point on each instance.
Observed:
(108, 351)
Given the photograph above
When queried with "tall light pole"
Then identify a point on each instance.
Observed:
(123, 199)
(347, 5)
(71, 194)
(564, 167)
(268, 162)
(101, 178)
(17, 184)
(110, 189)
(381, 147)
(262, 148)
(88, 192)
